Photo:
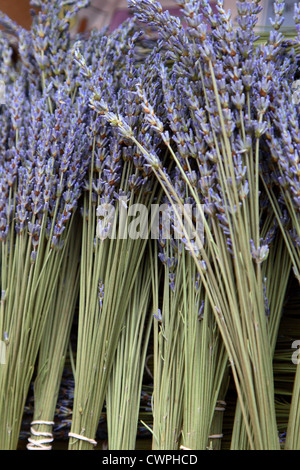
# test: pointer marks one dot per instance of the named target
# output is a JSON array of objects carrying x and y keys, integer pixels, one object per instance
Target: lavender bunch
[
  {"x": 281, "y": 162},
  {"x": 50, "y": 49},
  {"x": 114, "y": 236},
  {"x": 45, "y": 200},
  {"x": 217, "y": 136},
  {"x": 43, "y": 166},
  {"x": 207, "y": 119},
  {"x": 54, "y": 346}
]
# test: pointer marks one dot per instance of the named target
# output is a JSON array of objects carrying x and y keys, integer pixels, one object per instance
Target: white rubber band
[
  {"x": 213, "y": 436},
  {"x": 82, "y": 438},
  {"x": 47, "y": 437},
  {"x": 221, "y": 405}
]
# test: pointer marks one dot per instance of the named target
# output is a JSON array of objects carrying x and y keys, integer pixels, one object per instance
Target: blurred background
[
  {"x": 99, "y": 14},
  {"x": 114, "y": 12}
]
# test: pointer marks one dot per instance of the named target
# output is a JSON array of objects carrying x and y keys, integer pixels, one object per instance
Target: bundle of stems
[
  {"x": 166, "y": 431},
  {"x": 54, "y": 346},
  {"x": 38, "y": 200},
  {"x": 189, "y": 356},
  {"x": 205, "y": 358},
  {"x": 205, "y": 366},
  {"x": 109, "y": 269},
  {"x": 168, "y": 367},
  {"x": 30, "y": 286},
  {"x": 125, "y": 384},
  {"x": 276, "y": 270},
  {"x": 180, "y": 309},
  {"x": 113, "y": 243},
  {"x": 228, "y": 163},
  {"x": 23, "y": 320},
  {"x": 282, "y": 162}
]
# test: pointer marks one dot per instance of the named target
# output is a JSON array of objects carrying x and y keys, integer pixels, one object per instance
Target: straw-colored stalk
[
  {"x": 276, "y": 271},
  {"x": 28, "y": 293},
  {"x": 189, "y": 360},
  {"x": 124, "y": 387},
  {"x": 54, "y": 345},
  {"x": 205, "y": 365},
  {"x": 112, "y": 263},
  {"x": 292, "y": 439},
  {"x": 168, "y": 377},
  {"x": 234, "y": 283}
]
